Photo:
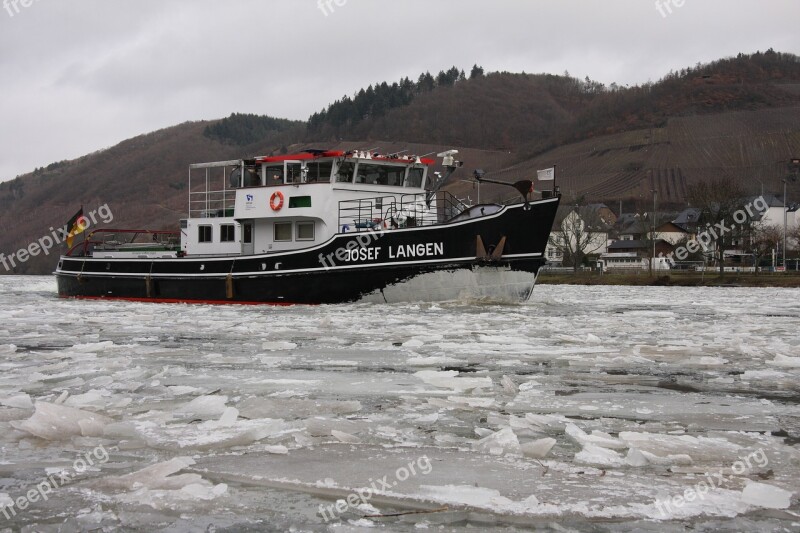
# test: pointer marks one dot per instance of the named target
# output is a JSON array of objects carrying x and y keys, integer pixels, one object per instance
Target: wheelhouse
[{"x": 295, "y": 201}]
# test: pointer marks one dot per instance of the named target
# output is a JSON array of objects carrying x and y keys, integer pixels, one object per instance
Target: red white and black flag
[{"x": 76, "y": 225}]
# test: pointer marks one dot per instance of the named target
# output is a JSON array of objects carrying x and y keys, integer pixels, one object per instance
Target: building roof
[
  {"x": 670, "y": 227},
  {"x": 592, "y": 215},
  {"x": 770, "y": 199},
  {"x": 687, "y": 217}
]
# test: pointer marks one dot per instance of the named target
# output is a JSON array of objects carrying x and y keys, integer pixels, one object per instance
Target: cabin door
[{"x": 248, "y": 247}]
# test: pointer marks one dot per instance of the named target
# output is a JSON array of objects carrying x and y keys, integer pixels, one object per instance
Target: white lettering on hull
[
  {"x": 362, "y": 254},
  {"x": 405, "y": 251},
  {"x": 354, "y": 254}
]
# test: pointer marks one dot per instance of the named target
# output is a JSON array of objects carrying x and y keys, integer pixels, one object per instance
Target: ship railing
[
  {"x": 126, "y": 240},
  {"x": 398, "y": 211},
  {"x": 212, "y": 193},
  {"x": 212, "y": 204}
]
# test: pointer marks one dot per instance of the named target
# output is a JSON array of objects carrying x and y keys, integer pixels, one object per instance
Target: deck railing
[
  {"x": 212, "y": 196},
  {"x": 398, "y": 211},
  {"x": 122, "y": 240}
]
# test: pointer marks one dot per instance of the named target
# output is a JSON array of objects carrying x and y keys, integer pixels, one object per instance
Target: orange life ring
[{"x": 276, "y": 206}]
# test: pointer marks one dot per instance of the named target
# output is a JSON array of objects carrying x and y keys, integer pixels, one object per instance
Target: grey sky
[{"x": 82, "y": 75}]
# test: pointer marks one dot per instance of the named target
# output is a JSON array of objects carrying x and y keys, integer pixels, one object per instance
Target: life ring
[{"x": 276, "y": 206}]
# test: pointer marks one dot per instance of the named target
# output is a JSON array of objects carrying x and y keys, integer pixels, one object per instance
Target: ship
[{"x": 323, "y": 227}]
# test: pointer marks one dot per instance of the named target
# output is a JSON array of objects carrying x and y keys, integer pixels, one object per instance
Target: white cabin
[{"x": 274, "y": 204}]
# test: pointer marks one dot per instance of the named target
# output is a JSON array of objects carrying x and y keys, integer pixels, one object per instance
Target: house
[
  {"x": 773, "y": 216},
  {"x": 635, "y": 254},
  {"x": 579, "y": 231},
  {"x": 629, "y": 227},
  {"x": 671, "y": 233},
  {"x": 688, "y": 220}
]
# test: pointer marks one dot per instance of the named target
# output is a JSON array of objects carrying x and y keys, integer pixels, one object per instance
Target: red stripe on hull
[{"x": 176, "y": 301}]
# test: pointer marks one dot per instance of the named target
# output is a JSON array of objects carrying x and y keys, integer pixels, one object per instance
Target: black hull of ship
[{"x": 431, "y": 263}]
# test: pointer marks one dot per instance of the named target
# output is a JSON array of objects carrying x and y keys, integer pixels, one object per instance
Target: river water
[{"x": 588, "y": 408}]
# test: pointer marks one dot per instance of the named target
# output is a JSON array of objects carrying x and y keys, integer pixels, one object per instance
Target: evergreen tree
[{"x": 477, "y": 72}]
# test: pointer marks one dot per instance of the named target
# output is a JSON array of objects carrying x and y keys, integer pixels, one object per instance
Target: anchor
[{"x": 495, "y": 253}]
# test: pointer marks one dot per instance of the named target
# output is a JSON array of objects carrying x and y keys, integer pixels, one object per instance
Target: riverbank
[{"x": 678, "y": 279}]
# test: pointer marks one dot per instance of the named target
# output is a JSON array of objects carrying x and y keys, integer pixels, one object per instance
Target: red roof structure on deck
[{"x": 316, "y": 154}]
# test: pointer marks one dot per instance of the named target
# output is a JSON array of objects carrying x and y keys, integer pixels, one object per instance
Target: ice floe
[{"x": 57, "y": 422}]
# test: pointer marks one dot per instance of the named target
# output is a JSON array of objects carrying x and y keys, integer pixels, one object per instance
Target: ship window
[
  {"x": 305, "y": 231},
  {"x": 226, "y": 233},
  {"x": 251, "y": 178},
  {"x": 247, "y": 233},
  {"x": 283, "y": 231},
  {"x": 415, "y": 175},
  {"x": 294, "y": 172},
  {"x": 380, "y": 174},
  {"x": 344, "y": 174},
  {"x": 299, "y": 201},
  {"x": 320, "y": 172},
  {"x": 274, "y": 175},
  {"x": 204, "y": 234}
]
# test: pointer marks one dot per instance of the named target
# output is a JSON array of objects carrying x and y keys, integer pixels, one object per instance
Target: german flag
[{"x": 76, "y": 225}]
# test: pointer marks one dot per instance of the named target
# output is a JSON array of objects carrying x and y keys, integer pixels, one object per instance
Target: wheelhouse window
[
  {"x": 227, "y": 233},
  {"x": 373, "y": 174},
  {"x": 319, "y": 171},
  {"x": 305, "y": 231},
  {"x": 294, "y": 172},
  {"x": 274, "y": 174},
  {"x": 251, "y": 177},
  {"x": 344, "y": 174},
  {"x": 283, "y": 231},
  {"x": 415, "y": 176},
  {"x": 204, "y": 234}
]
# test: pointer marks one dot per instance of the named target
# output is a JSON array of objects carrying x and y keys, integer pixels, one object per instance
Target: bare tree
[
  {"x": 577, "y": 233},
  {"x": 717, "y": 200}
]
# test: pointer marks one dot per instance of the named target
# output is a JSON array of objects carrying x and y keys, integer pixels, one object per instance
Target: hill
[
  {"x": 746, "y": 147},
  {"x": 738, "y": 118}
]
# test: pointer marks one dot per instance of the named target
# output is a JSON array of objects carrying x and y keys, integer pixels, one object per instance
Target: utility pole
[
  {"x": 785, "y": 212},
  {"x": 653, "y": 259}
]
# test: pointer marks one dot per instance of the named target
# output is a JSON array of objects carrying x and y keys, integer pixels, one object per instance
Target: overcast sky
[{"x": 82, "y": 75}]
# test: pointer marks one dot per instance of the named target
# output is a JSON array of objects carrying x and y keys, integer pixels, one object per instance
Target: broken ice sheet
[
  {"x": 451, "y": 380},
  {"x": 160, "y": 486},
  {"x": 226, "y": 432},
  {"x": 666, "y": 374},
  {"x": 56, "y": 422}
]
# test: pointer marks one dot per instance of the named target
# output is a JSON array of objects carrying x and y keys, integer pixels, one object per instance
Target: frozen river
[{"x": 589, "y": 408}]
